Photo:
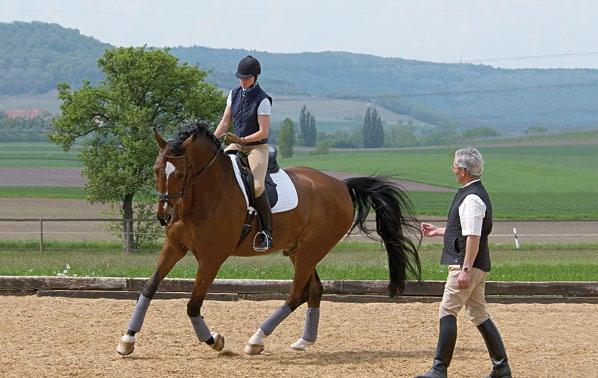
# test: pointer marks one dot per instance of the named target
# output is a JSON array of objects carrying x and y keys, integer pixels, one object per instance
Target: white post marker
[{"x": 515, "y": 237}]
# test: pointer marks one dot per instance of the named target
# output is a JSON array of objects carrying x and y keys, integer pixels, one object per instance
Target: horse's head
[
  {"x": 178, "y": 166},
  {"x": 171, "y": 169}
]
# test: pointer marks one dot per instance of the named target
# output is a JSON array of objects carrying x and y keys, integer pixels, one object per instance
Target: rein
[{"x": 164, "y": 197}]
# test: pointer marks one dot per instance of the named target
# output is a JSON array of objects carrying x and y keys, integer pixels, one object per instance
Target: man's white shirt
[{"x": 472, "y": 211}]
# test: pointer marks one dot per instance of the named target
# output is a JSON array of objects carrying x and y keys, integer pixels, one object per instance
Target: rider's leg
[{"x": 258, "y": 162}]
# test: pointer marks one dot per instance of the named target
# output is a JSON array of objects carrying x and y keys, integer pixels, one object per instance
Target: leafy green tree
[
  {"x": 537, "y": 129},
  {"x": 402, "y": 135},
  {"x": 480, "y": 132},
  {"x": 286, "y": 138},
  {"x": 143, "y": 89},
  {"x": 307, "y": 123},
  {"x": 441, "y": 135},
  {"x": 372, "y": 130}
]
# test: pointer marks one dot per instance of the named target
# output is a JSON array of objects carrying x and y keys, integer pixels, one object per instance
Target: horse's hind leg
[
  {"x": 312, "y": 314},
  {"x": 304, "y": 268},
  {"x": 169, "y": 256}
]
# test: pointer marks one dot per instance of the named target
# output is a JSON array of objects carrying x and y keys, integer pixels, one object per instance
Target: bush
[{"x": 322, "y": 148}]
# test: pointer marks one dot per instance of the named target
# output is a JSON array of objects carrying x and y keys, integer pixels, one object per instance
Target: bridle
[{"x": 164, "y": 197}]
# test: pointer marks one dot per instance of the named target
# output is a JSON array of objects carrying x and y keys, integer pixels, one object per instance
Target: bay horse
[{"x": 204, "y": 209}]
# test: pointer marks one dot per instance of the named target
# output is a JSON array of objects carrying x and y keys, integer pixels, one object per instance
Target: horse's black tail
[{"x": 395, "y": 223}]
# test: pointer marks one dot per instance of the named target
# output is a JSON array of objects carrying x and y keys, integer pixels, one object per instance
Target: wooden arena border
[{"x": 340, "y": 291}]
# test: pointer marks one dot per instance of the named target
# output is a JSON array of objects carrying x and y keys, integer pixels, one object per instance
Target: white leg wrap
[
  {"x": 255, "y": 345},
  {"x": 258, "y": 338},
  {"x": 301, "y": 344},
  {"x": 126, "y": 345}
]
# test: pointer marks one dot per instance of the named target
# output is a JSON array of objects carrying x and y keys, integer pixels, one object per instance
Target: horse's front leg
[
  {"x": 206, "y": 272},
  {"x": 171, "y": 253}
]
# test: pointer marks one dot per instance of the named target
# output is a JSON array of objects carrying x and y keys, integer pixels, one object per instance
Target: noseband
[{"x": 164, "y": 197}]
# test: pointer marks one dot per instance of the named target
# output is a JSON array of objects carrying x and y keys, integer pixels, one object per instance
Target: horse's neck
[{"x": 207, "y": 194}]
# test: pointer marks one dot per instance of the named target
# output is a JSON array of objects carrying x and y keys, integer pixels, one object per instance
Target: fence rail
[{"x": 95, "y": 229}]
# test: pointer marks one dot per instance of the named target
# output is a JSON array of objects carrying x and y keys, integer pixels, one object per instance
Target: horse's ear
[
  {"x": 161, "y": 142},
  {"x": 187, "y": 142}
]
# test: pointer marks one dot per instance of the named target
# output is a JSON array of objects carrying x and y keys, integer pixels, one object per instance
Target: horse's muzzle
[{"x": 164, "y": 221}]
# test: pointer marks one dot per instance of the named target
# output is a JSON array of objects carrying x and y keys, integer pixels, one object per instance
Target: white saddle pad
[{"x": 287, "y": 194}]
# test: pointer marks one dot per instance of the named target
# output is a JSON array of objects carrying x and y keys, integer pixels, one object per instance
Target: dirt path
[
  {"x": 41, "y": 177},
  {"x": 42, "y": 336}
]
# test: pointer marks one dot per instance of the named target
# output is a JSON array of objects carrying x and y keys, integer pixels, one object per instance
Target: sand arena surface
[{"x": 43, "y": 336}]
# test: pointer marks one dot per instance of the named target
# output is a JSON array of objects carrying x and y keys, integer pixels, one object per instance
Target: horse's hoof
[
  {"x": 301, "y": 345},
  {"x": 126, "y": 345},
  {"x": 253, "y": 349},
  {"x": 218, "y": 341}
]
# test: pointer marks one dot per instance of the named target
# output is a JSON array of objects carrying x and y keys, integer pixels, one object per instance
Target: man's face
[{"x": 458, "y": 172}]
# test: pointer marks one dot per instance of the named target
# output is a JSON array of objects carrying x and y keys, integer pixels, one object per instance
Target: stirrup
[{"x": 265, "y": 242}]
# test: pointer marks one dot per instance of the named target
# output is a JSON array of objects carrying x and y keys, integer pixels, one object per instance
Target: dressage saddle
[{"x": 247, "y": 177}]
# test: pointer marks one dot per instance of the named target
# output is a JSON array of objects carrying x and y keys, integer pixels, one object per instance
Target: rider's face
[{"x": 246, "y": 83}]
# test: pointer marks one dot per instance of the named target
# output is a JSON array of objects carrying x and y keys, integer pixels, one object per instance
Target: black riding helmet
[{"x": 248, "y": 67}]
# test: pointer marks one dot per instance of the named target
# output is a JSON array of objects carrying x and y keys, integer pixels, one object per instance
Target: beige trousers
[
  {"x": 473, "y": 298},
  {"x": 258, "y": 162}
]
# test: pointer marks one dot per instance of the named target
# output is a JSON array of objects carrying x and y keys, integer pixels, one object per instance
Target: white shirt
[
  {"x": 472, "y": 211},
  {"x": 265, "y": 108}
]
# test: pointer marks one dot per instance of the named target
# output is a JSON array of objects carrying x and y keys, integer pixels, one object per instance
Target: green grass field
[
  {"x": 52, "y": 192},
  {"x": 525, "y": 182},
  {"x": 557, "y": 182},
  {"x": 37, "y": 155},
  {"x": 349, "y": 260}
]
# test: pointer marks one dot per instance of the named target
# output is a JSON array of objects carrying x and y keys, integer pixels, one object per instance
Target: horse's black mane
[{"x": 195, "y": 129}]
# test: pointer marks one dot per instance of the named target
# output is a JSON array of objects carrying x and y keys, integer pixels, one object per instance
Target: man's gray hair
[{"x": 470, "y": 159}]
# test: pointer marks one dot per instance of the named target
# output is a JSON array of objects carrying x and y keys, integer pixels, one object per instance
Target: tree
[
  {"x": 537, "y": 129},
  {"x": 307, "y": 123},
  {"x": 142, "y": 89},
  {"x": 402, "y": 135},
  {"x": 286, "y": 138},
  {"x": 372, "y": 131}
]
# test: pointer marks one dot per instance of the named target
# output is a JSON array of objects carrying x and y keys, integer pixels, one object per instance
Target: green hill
[{"x": 35, "y": 56}]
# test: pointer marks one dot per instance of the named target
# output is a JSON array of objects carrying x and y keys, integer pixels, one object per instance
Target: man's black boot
[
  {"x": 263, "y": 240},
  {"x": 496, "y": 350},
  {"x": 444, "y": 350}
]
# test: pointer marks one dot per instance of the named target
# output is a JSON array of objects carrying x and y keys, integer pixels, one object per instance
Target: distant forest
[{"x": 35, "y": 57}]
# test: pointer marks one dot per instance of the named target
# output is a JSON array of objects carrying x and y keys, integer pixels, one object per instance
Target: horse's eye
[{"x": 179, "y": 176}]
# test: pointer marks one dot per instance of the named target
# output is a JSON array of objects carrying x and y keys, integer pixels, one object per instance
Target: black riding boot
[
  {"x": 444, "y": 350},
  {"x": 496, "y": 350},
  {"x": 263, "y": 240}
]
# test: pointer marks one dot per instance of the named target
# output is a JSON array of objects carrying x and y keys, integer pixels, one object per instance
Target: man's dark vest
[
  {"x": 453, "y": 252},
  {"x": 244, "y": 108}
]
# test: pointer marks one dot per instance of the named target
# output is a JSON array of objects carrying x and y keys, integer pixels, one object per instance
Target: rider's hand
[{"x": 232, "y": 138}]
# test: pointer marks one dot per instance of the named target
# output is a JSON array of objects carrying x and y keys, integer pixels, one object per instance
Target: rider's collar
[{"x": 246, "y": 90}]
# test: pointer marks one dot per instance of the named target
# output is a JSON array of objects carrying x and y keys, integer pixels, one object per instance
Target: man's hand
[
  {"x": 428, "y": 229},
  {"x": 232, "y": 138},
  {"x": 464, "y": 279}
]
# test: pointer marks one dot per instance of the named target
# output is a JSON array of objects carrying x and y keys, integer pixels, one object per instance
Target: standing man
[
  {"x": 466, "y": 254},
  {"x": 250, "y": 109}
]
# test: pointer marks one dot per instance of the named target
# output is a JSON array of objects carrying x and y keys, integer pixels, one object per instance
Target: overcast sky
[{"x": 502, "y": 33}]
